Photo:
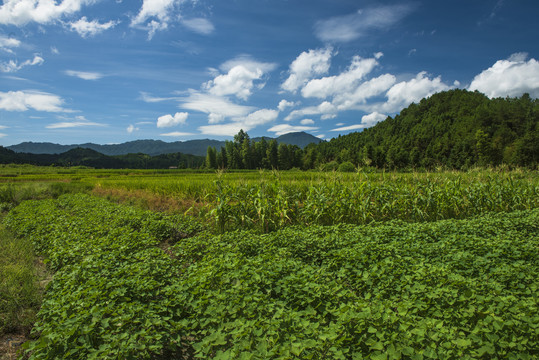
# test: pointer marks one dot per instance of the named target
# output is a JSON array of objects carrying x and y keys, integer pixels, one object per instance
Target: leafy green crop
[{"x": 390, "y": 290}]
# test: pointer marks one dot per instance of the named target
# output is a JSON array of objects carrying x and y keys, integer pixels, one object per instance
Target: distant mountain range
[
  {"x": 155, "y": 147},
  {"x": 92, "y": 158}
]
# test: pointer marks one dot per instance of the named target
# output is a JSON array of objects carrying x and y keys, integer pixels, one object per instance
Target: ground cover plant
[
  {"x": 458, "y": 288},
  {"x": 20, "y": 293}
]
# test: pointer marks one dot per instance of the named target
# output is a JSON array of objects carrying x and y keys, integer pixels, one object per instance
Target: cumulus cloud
[
  {"x": 155, "y": 15},
  {"x": 216, "y": 106},
  {"x": 306, "y": 66},
  {"x": 21, "y": 12},
  {"x": 404, "y": 93},
  {"x": 282, "y": 129},
  {"x": 13, "y": 66},
  {"x": 284, "y": 104},
  {"x": 31, "y": 100},
  {"x": 199, "y": 25},
  {"x": 342, "y": 83},
  {"x": 366, "y": 122},
  {"x": 230, "y": 129},
  {"x": 307, "y": 122},
  {"x": 239, "y": 79},
  {"x": 511, "y": 77},
  {"x": 168, "y": 120},
  {"x": 260, "y": 117},
  {"x": 7, "y": 43},
  {"x": 131, "y": 128},
  {"x": 87, "y": 28},
  {"x": 354, "y": 99},
  {"x": 373, "y": 118},
  {"x": 246, "y": 123},
  {"x": 326, "y": 109},
  {"x": 353, "y": 26},
  {"x": 84, "y": 74}
]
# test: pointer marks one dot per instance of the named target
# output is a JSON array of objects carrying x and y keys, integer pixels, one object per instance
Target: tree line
[
  {"x": 457, "y": 129},
  {"x": 243, "y": 153}
]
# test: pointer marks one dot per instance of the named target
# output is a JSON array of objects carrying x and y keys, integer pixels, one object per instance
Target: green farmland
[{"x": 177, "y": 264}]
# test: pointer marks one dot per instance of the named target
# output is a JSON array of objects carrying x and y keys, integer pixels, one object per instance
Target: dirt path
[{"x": 9, "y": 345}]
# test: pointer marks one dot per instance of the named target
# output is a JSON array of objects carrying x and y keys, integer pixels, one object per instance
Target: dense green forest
[{"x": 456, "y": 129}]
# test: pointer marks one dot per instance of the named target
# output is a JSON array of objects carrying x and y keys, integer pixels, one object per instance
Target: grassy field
[{"x": 258, "y": 265}]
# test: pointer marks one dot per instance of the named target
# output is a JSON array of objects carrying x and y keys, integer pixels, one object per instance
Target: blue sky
[{"x": 110, "y": 71}]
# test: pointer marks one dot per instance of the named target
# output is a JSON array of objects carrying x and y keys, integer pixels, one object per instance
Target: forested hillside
[{"x": 456, "y": 128}]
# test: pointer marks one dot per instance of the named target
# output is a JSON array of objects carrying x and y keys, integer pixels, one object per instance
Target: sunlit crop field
[{"x": 281, "y": 265}]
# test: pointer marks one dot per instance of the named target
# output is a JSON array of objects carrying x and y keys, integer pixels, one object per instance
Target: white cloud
[
  {"x": 13, "y": 66},
  {"x": 406, "y": 92},
  {"x": 366, "y": 121},
  {"x": 216, "y": 105},
  {"x": 372, "y": 118},
  {"x": 327, "y": 109},
  {"x": 2, "y": 135},
  {"x": 353, "y": 26},
  {"x": 215, "y": 118},
  {"x": 246, "y": 123},
  {"x": 307, "y": 122},
  {"x": 282, "y": 129},
  {"x": 342, "y": 83},
  {"x": 373, "y": 87},
  {"x": 79, "y": 121},
  {"x": 177, "y": 134},
  {"x": 284, "y": 104},
  {"x": 169, "y": 120},
  {"x": 511, "y": 77},
  {"x": 222, "y": 129},
  {"x": 328, "y": 116},
  {"x": 84, "y": 74},
  {"x": 306, "y": 66},
  {"x": 238, "y": 82},
  {"x": 87, "y": 28},
  {"x": 239, "y": 79},
  {"x": 350, "y": 127},
  {"x": 144, "y": 96},
  {"x": 55, "y": 50},
  {"x": 199, "y": 25},
  {"x": 72, "y": 124},
  {"x": 31, "y": 99},
  {"x": 159, "y": 11},
  {"x": 260, "y": 117},
  {"x": 21, "y": 12},
  {"x": 6, "y": 43},
  {"x": 247, "y": 62},
  {"x": 131, "y": 128}
]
